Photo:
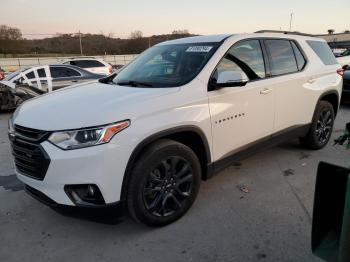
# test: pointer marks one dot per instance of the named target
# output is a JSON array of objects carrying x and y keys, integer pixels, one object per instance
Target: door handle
[
  {"x": 312, "y": 80},
  {"x": 265, "y": 91},
  {"x": 74, "y": 81}
]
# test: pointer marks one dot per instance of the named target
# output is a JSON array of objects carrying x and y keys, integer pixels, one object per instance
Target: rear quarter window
[{"x": 323, "y": 51}]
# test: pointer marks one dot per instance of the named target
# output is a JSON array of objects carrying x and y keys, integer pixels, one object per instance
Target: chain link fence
[{"x": 13, "y": 64}]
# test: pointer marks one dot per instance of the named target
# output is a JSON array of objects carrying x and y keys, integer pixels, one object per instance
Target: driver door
[{"x": 240, "y": 113}]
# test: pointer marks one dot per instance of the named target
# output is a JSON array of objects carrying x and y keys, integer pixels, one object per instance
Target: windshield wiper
[{"x": 133, "y": 83}]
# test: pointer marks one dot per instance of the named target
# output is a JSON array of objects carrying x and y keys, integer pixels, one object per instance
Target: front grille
[
  {"x": 30, "y": 134},
  {"x": 30, "y": 158}
]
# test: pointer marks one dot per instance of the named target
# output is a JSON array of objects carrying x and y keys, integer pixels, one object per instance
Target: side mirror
[
  {"x": 229, "y": 78},
  {"x": 331, "y": 214}
]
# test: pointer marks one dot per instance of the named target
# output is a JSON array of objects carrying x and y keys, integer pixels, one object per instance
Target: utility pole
[
  {"x": 81, "y": 46},
  {"x": 290, "y": 21}
]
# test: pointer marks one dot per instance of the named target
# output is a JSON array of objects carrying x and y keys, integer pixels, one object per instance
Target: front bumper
[
  {"x": 103, "y": 166},
  {"x": 49, "y": 202}
]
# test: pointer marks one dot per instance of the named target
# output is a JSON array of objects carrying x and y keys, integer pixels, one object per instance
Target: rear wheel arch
[
  {"x": 191, "y": 136},
  {"x": 333, "y": 98}
]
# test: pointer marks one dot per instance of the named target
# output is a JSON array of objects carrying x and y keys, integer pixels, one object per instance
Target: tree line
[{"x": 12, "y": 44}]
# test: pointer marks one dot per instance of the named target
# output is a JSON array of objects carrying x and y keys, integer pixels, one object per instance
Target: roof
[
  {"x": 197, "y": 39},
  {"x": 219, "y": 38}
]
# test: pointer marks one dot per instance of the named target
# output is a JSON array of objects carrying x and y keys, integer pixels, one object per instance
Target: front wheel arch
[{"x": 202, "y": 151}]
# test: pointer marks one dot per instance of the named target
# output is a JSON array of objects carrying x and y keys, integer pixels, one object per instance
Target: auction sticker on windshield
[{"x": 199, "y": 49}]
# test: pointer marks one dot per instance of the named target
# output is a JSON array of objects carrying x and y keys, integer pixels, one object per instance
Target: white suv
[
  {"x": 182, "y": 111},
  {"x": 92, "y": 65}
]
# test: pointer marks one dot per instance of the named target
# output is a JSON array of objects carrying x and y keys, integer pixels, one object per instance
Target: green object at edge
[{"x": 331, "y": 215}]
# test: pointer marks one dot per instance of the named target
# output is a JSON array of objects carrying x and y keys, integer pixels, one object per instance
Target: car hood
[{"x": 88, "y": 105}]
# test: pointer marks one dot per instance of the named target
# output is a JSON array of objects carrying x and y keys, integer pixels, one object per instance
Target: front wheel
[
  {"x": 321, "y": 127},
  {"x": 164, "y": 183}
]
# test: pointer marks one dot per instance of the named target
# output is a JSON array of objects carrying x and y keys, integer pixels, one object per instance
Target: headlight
[{"x": 73, "y": 139}]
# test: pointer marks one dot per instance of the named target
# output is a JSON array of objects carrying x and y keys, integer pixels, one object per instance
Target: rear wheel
[
  {"x": 321, "y": 127},
  {"x": 164, "y": 183}
]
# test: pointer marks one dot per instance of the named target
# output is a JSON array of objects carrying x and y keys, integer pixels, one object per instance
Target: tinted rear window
[
  {"x": 41, "y": 72},
  {"x": 86, "y": 63},
  {"x": 30, "y": 75},
  {"x": 323, "y": 52}
]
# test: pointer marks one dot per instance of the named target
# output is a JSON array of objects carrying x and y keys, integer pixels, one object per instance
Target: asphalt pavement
[{"x": 259, "y": 209}]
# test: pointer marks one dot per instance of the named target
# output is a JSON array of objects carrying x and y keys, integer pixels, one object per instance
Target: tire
[
  {"x": 164, "y": 183},
  {"x": 321, "y": 127}
]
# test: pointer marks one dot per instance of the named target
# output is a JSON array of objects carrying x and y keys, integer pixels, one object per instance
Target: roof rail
[
  {"x": 80, "y": 57},
  {"x": 284, "y": 32}
]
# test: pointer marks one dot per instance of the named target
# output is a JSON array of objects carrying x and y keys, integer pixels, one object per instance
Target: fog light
[{"x": 84, "y": 195}]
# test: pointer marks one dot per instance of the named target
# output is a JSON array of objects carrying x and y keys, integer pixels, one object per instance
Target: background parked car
[
  {"x": 344, "y": 58},
  {"x": 346, "y": 86},
  {"x": 92, "y": 65},
  {"x": 2, "y": 74},
  {"x": 117, "y": 68},
  {"x": 31, "y": 82}
]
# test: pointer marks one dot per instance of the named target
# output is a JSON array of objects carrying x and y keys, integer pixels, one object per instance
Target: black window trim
[
  {"x": 266, "y": 58},
  {"x": 210, "y": 88},
  {"x": 80, "y": 74}
]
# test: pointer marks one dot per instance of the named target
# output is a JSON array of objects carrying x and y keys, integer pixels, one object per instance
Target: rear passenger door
[
  {"x": 292, "y": 99},
  {"x": 63, "y": 76}
]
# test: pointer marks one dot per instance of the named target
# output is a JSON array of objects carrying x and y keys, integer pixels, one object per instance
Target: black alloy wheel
[
  {"x": 321, "y": 127},
  {"x": 164, "y": 183},
  {"x": 167, "y": 186},
  {"x": 324, "y": 126}
]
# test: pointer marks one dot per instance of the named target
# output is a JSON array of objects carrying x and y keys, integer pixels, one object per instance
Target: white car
[
  {"x": 181, "y": 112},
  {"x": 92, "y": 65}
]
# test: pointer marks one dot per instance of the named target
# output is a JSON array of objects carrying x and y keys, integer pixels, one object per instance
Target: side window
[
  {"x": 30, "y": 75},
  {"x": 59, "y": 72},
  {"x": 249, "y": 57},
  {"x": 282, "y": 57},
  {"x": 246, "y": 57},
  {"x": 299, "y": 56},
  {"x": 323, "y": 51},
  {"x": 86, "y": 63},
  {"x": 41, "y": 73}
]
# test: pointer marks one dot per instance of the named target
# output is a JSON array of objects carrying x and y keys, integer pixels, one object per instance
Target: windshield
[
  {"x": 14, "y": 74},
  {"x": 167, "y": 65}
]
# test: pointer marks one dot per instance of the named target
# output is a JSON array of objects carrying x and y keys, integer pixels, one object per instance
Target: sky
[{"x": 152, "y": 17}]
